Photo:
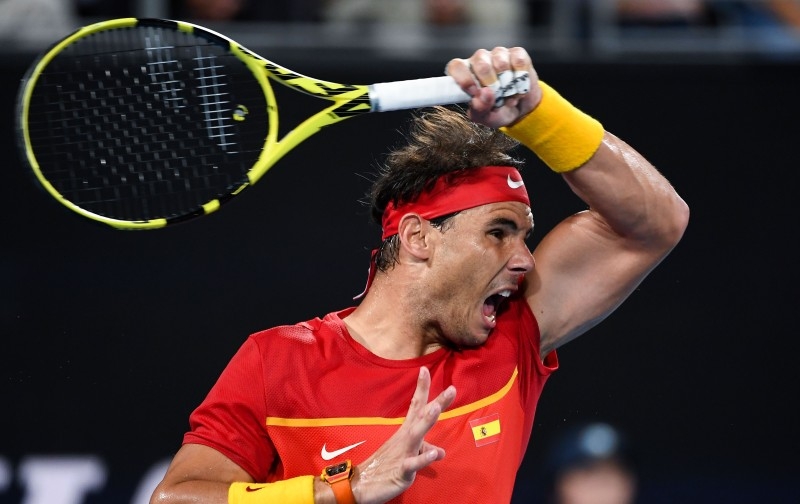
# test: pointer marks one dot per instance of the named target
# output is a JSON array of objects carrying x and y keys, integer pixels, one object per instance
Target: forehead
[{"x": 518, "y": 213}]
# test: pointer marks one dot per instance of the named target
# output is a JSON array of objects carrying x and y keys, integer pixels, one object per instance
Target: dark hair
[{"x": 441, "y": 142}]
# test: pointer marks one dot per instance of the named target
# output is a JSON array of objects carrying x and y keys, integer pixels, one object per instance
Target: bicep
[
  {"x": 583, "y": 272},
  {"x": 199, "y": 474}
]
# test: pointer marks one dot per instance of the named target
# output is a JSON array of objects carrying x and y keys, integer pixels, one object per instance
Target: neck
[{"x": 386, "y": 323}]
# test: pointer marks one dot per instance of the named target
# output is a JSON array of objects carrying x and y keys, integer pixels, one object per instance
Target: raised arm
[
  {"x": 592, "y": 261},
  {"x": 588, "y": 264}
]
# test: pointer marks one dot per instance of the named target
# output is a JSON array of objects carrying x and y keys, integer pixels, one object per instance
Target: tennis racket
[{"x": 143, "y": 123}]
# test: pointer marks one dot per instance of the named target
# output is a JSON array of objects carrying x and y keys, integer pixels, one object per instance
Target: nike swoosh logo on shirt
[
  {"x": 326, "y": 455},
  {"x": 514, "y": 184}
]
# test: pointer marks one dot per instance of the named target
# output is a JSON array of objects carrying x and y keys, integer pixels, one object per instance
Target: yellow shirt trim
[{"x": 331, "y": 422}]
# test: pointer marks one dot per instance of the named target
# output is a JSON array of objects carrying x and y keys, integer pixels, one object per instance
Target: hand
[
  {"x": 480, "y": 72},
  {"x": 393, "y": 467}
]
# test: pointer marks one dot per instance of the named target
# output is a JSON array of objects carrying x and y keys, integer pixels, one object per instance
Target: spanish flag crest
[{"x": 486, "y": 430}]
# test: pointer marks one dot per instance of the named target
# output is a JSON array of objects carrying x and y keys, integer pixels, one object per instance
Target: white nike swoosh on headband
[
  {"x": 326, "y": 455},
  {"x": 514, "y": 184}
]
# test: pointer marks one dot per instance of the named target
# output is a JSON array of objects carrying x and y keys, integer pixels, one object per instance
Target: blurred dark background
[{"x": 111, "y": 338}]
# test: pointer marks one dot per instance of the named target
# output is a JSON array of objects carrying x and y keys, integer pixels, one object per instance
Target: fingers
[
  {"x": 420, "y": 408},
  {"x": 461, "y": 71},
  {"x": 393, "y": 467},
  {"x": 420, "y": 397},
  {"x": 502, "y": 83},
  {"x": 422, "y": 416},
  {"x": 446, "y": 398},
  {"x": 428, "y": 454},
  {"x": 431, "y": 452},
  {"x": 504, "y": 72}
]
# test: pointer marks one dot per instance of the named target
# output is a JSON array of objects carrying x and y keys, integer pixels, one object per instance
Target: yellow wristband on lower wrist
[
  {"x": 561, "y": 135},
  {"x": 299, "y": 490}
]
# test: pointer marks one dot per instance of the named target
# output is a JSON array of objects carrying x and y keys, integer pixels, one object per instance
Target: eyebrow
[
  {"x": 507, "y": 223},
  {"x": 503, "y": 221}
]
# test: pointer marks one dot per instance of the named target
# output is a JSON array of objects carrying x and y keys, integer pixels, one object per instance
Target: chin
[{"x": 476, "y": 339}]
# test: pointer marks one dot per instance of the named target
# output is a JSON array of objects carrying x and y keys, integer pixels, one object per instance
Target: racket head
[{"x": 141, "y": 123}]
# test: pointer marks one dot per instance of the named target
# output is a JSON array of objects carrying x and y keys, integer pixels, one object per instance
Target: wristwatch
[{"x": 338, "y": 476}]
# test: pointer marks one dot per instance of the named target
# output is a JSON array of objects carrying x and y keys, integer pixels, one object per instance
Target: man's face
[{"x": 479, "y": 259}]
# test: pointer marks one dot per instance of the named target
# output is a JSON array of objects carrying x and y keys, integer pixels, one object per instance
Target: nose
[{"x": 522, "y": 259}]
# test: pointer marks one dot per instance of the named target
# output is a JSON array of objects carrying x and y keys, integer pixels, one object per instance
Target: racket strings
[
  {"x": 162, "y": 69},
  {"x": 152, "y": 133},
  {"x": 215, "y": 101}
]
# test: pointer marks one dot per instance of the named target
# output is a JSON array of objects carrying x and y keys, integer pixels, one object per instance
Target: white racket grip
[{"x": 415, "y": 93}]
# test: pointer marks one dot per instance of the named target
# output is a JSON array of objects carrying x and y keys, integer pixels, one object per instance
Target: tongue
[{"x": 489, "y": 306}]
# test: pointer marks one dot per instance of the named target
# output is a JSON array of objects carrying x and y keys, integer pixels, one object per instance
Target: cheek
[
  {"x": 462, "y": 269},
  {"x": 463, "y": 287},
  {"x": 462, "y": 274},
  {"x": 465, "y": 254}
]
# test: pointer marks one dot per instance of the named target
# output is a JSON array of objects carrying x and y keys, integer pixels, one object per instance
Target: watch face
[{"x": 336, "y": 469}]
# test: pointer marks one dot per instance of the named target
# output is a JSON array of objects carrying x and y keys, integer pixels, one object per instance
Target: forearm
[
  {"x": 209, "y": 492},
  {"x": 301, "y": 490},
  {"x": 630, "y": 196}
]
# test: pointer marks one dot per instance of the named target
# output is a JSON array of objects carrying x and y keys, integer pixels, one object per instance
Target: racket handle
[{"x": 416, "y": 93}]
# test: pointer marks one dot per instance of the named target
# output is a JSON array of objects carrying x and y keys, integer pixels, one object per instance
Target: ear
[{"x": 413, "y": 232}]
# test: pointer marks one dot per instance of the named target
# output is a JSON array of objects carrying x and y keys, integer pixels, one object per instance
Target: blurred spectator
[
  {"x": 770, "y": 25},
  {"x": 212, "y": 10},
  {"x": 36, "y": 22},
  {"x": 760, "y": 13},
  {"x": 429, "y": 12},
  {"x": 591, "y": 464},
  {"x": 669, "y": 13},
  {"x": 787, "y": 11},
  {"x": 676, "y": 13},
  {"x": 247, "y": 10},
  {"x": 409, "y": 28}
]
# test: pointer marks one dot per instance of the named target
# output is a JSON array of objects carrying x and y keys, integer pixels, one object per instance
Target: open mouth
[{"x": 492, "y": 304}]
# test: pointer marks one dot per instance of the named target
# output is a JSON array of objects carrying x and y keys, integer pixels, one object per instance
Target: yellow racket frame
[{"x": 349, "y": 101}]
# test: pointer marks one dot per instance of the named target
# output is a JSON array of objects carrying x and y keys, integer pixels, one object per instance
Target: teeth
[
  {"x": 505, "y": 293},
  {"x": 490, "y": 318}
]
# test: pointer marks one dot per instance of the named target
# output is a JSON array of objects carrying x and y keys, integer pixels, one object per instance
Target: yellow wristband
[
  {"x": 561, "y": 135},
  {"x": 299, "y": 490}
]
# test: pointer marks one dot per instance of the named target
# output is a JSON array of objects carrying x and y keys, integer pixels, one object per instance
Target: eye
[{"x": 497, "y": 233}]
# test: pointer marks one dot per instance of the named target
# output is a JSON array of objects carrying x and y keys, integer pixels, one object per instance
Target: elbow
[
  {"x": 679, "y": 221},
  {"x": 672, "y": 225},
  {"x": 160, "y": 496},
  {"x": 661, "y": 228}
]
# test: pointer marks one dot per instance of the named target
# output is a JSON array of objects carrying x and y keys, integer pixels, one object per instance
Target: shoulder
[{"x": 305, "y": 334}]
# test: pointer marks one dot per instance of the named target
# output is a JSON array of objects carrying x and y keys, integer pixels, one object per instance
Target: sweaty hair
[{"x": 441, "y": 142}]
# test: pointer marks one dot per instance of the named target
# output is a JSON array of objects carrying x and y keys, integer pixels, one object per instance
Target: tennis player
[{"x": 426, "y": 390}]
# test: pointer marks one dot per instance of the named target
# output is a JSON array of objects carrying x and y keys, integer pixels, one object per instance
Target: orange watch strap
[{"x": 343, "y": 492}]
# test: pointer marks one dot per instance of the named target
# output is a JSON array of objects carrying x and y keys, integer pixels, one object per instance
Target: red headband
[{"x": 488, "y": 184}]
